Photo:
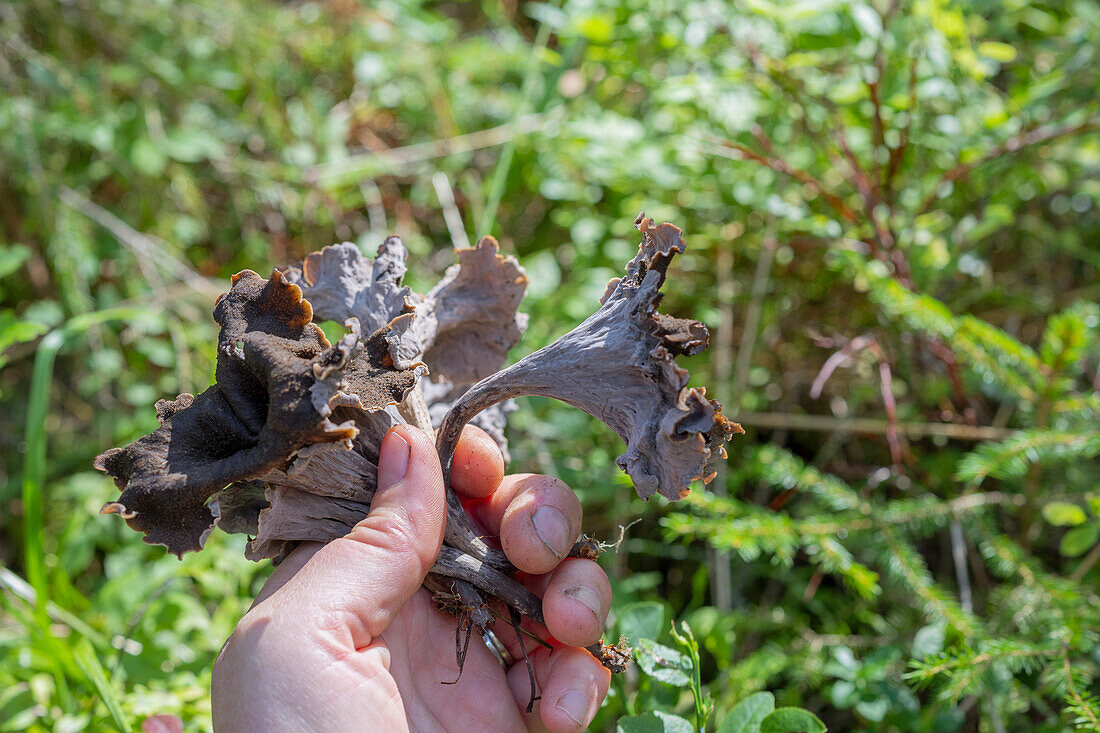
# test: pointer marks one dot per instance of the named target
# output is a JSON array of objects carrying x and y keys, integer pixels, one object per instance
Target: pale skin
[{"x": 343, "y": 638}]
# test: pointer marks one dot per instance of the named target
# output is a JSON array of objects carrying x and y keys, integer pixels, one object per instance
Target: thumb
[{"x": 370, "y": 574}]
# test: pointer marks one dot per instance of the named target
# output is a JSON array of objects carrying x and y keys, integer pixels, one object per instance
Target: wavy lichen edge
[{"x": 619, "y": 366}]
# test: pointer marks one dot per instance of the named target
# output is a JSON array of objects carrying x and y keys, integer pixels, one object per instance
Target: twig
[
  {"x": 752, "y": 317},
  {"x": 376, "y": 212},
  {"x": 835, "y": 360},
  {"x": 897, "y": 154},
  {"x": 22, "y": 590},
  {"x": 1019, "y": 142},
  {"x": 878, "y": 126},
  {"x": 151, "y": 252},
  {"x": 827, "y": 423},
  {"x": 1086, "y": 564},
  {"x": 882, "y": 246},
  {"x": 462, "y": 645},
  {"x": 962, "y": 574},
  {"x": 737, "y": 151},
  {"x": 149, "y": 247},
  {"x": 451, "y": 214},
  {"x": 455, "y": 564},
  {"x": 746, "y": 346},
  {"x": 1071, "y": 689},
  {"x": 366, "y": 163},
  {"x": 504, "y": 163},
  {"x": 1033, "y": 479},
  {"x": 947, "y": 358},
  {"x": 863, "y": 182},
  {"x": 588, "y": 548},
  {"x": 514, "y": 619},
  {"x": 614, "y": 657},
  {"x": 886, "y": 387},
  {"x": 814, "y": 528},
  {"x": 126, "y": 645},
  {"x": 816, "y": 642},
  {"x": 719, "y": 560}
]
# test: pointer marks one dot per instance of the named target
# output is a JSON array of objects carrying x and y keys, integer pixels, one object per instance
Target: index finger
[{"x": 478, "y": 467}]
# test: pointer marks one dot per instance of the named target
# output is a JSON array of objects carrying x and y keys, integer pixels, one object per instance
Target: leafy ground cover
[{"x": 892, "y": 210}]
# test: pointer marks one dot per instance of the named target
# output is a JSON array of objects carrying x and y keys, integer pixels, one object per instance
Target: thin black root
[
  {"x": 529, "y": 634},
  {"x": 515, "y": 619},
  {"x": 462, "y": 646},
  {"x": 462, "y": 601}
]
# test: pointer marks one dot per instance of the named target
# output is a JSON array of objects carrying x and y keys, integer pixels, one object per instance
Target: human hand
[{"x": 343, "y": 637}]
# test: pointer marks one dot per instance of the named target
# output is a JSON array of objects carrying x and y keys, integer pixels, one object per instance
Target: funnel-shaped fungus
[
  {"x": 285, "y": 445},
  {"x": 619, "y": 366}
]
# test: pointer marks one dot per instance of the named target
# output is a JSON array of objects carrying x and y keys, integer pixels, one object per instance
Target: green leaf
[
  {"x": 148, "y": 157},
  {"x": 642, "y": 620},
  {"x": 1064, "y": 514},
  {"x": 749, "y": 714},
  {"x": 12, "y": 258},
  {"x": 928, "y": 641},
  {"x": 597, "y": 27},
  {"x": 846, "y": 659},
  {"x": 662, "y": 663},
  {"x": 89, "y": 663},
  {"x": 14, "y": 330},
  {"x": 868, "y": 20},
  {"x": 844, "y": 694},
  {"x": 1078, "y": 540},
  {"x": 792, "y": 720},
  {"x": 191, "y": 146},
  {"x": 655, "y": 722},
  {"x": 1093, "y": 503},
  {"x": 874, "y": 709},
  {"x": 1001, "y": 52}
]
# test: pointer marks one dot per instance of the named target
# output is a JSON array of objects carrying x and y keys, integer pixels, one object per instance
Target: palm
[{"x": 423, "y": 666}]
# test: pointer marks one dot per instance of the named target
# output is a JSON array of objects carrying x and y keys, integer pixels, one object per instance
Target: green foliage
[
  {"x": 892, "y": 211},
  {"x": 1085, "y": 531},
  {"x": 754, "y": 714},
  {"x": 655, "y": 722},
  {"x": 791, "y": 720},
  {"x": 749, "y": 714}
]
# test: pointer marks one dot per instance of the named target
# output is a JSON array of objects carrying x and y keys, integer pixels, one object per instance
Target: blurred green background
[{"x": 892, "y": 217}]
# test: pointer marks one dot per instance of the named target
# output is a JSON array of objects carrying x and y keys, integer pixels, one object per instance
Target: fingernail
[
  {"x": 575, "y": 707},
  {"x": 588, "y": 598},
  {"x": 393, "y": 460},
  {"x": 553, "y": 529}
]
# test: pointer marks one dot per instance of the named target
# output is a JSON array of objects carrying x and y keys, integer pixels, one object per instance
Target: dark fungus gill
[{"x": 284, "y": 446}]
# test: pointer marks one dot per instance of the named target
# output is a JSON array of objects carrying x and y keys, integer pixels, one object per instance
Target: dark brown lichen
[{"x": 271, "y": 406}]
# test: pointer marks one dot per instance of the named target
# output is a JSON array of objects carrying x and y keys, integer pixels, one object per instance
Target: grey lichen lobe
[
  {"x": 342, "y": 284},
  {"x": 465, "y": 326}
]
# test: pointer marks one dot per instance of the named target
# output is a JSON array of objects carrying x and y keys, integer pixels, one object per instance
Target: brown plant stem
[
  {"x": 1031, "y": 137},
  {"x": 454, "y": 564},
  {"x": 777, "y": 164},
  {"x": 1086, "y": 564},
  {"x": 1033, "y": 478},
  {"x": 912, "y": 430}
]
